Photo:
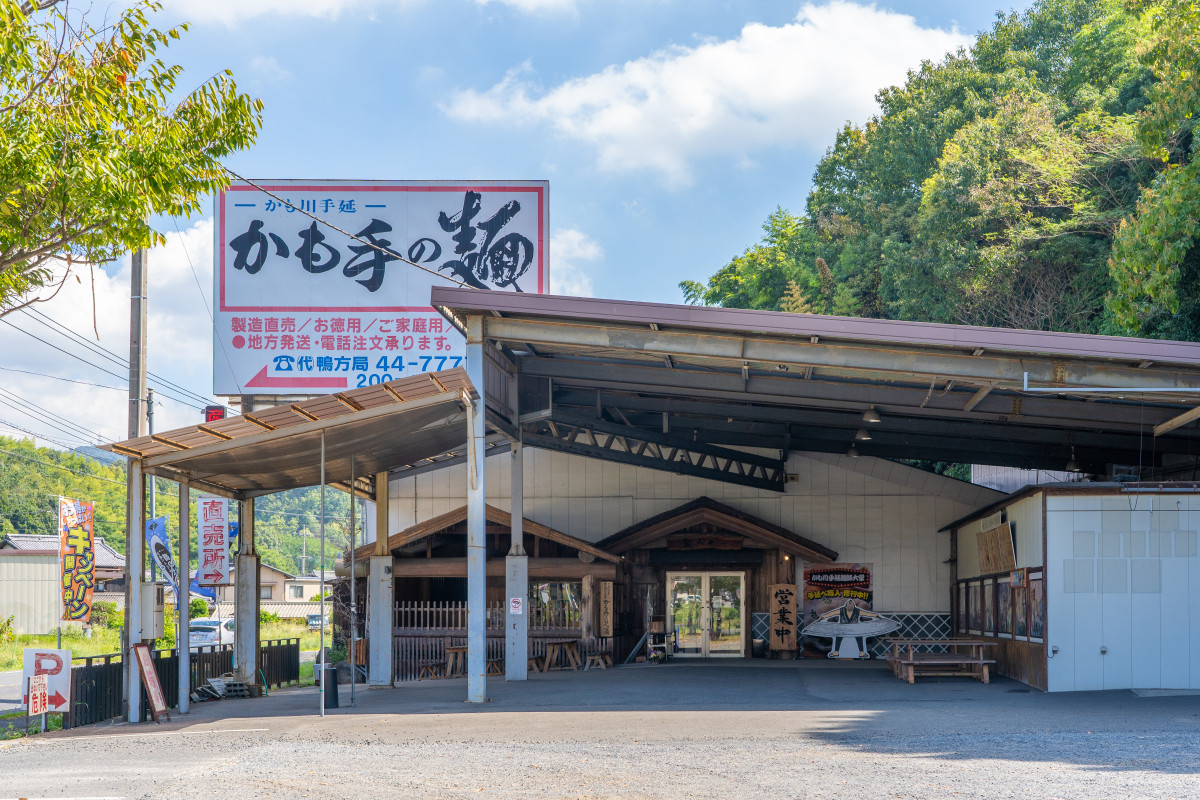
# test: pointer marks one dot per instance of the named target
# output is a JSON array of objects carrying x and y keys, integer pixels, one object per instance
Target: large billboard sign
[{"x": 324, "y": 285}]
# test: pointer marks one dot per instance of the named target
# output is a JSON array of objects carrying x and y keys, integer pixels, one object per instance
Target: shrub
[
  {"x": 267, "y": 617},
  {"x": 103, "y": 613},
  {"x": 7, "y": 631},
  {"x": 198, "y": 608}
]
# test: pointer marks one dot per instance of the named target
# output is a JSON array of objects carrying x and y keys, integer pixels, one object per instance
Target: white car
[{"x": 209, "y": 632}]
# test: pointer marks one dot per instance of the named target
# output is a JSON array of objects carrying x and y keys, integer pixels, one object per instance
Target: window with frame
[
  {"x": 264, "y": 592},
  {"x": 296, "y": 592}
]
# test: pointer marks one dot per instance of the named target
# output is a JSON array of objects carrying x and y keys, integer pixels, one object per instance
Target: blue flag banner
[{"x": 160, "y": 551}]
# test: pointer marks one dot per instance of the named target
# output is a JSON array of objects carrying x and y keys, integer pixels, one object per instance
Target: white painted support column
[
  {"x": 516, "y": 564},
  {"x": 476, "y": 521},
  {"x": 380, "y": 596},
  {"x": 184, "y": 596},
  {"x": 135, "y": 539},
  {"x": 245, "y": 642}
]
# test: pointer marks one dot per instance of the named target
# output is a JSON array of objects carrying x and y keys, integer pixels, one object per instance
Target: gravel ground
[{"x": 644, "y": 732}]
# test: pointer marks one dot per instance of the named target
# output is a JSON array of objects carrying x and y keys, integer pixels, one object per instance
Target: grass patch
[{"x": 103, "y": 641}]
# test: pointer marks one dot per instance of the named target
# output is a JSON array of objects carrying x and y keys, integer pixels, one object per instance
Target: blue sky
[{"x": 668, "y": 130}]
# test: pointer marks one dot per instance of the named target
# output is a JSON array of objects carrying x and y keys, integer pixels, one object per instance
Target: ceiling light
[
  {"x": 853, "y": 451},
  {"x": 871, "y": 415},
  {"x": 863, "y": 435},
  {"x": 1073, "y": 465}
]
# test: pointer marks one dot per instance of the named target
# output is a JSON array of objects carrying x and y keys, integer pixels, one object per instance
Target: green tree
[
  {"x": 94, "y": 140},
  {"x": 1156, "y": 257}
]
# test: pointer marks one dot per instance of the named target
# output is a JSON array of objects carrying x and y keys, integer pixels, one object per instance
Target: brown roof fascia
[
  {"x": 496, "y": 515},
  {"x": 776, "y": 323},
  {"x": 707, "y": 509},
  {"x": 1070, "y": 489}
]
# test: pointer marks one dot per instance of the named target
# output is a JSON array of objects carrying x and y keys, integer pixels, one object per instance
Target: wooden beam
[
  {"x": 1177, "y": 422},
  {"x": 567, "y": 569},
  {"x": 977, "y": 398}
]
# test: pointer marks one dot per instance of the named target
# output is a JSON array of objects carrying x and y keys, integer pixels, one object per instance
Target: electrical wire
[
  {"x": 69, "y": 380},
  {"x": 59, "y": 466},
  {"x": 168, "y": 386},
  {"x": 65, "y": 445},
  {"x": 207, "y": 307},
  {"x": 87, "y": 438},
  {"x": 331, "y": 226},
  {"x": 11, "y": 395}
]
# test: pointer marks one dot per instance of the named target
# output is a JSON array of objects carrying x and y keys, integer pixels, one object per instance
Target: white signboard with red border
[
  {"x": 55, "y": 666},
  {"x": 39, "y": 695},
  {"x": 212, "y": 517},
  {"x": 309, "y": 307}
]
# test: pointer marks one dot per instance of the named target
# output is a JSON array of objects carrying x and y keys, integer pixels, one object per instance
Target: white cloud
[
  {"x": 568, "y": 248},
  {"x": 770, "y": 86},
  {"x": 268, "y": 70},
  {"x": 179, "y": 344}
]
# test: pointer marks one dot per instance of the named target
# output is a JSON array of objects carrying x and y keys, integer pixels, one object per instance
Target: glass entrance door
[{"x": 708, "y": 612}]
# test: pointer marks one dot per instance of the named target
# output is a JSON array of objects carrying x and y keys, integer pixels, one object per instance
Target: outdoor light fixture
[
  {"x": 1073, "y": 465},
  {"x": 853, "y": 451},
  {"x": 871, "y": 415},
  {"x": 863, "y": 435}
]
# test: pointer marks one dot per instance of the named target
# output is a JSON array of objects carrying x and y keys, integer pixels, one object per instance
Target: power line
[
  {"x": 59, "y": 466},
  {"x": 60, "y": 378},
  {"x": 9, "y": 394},
  {"x": 86, "y": 437},
  {"x": 330, "y": 225},
  {"x": 59, "y": 442},
  {"x": 204, "y": 298},
  {"x": 120, "y": 361}
]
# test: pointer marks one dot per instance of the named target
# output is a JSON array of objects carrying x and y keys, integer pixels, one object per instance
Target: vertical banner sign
[
  {"x": 76, "y": 558},
  {"x": 160, "y": 551},
  {"x": 213, "y": 518},
  {"x": 606, "y": 609},
  {"x": 830, "y": 586},
  {"x": 784, "y": 604},
  {"x": 308, "y": 307}
]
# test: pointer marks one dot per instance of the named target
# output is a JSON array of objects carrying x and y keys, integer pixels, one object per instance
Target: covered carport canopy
[
  {"x": 395, "y": 424},
  {"x": 676, "y": 387}
]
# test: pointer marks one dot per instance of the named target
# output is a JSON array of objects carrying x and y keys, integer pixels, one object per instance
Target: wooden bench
[
  {"x": 599, "y": 660},
  {"x": 534, "y": 664},
  {"x": 431, "y": 669},
  {"x": 910, "y": 665}
]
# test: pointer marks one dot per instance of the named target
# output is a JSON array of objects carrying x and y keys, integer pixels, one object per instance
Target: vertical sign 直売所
[
  {"x": 213, "y": 519},
  {"x": 77, "y": 558},
  {"x": 784, "y": 607},
  {"x": 606, "y": 609},
  {"x": 323, "y": 286}
]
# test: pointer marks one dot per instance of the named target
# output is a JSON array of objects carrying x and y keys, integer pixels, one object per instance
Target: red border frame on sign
[{"x": 537, "y": 190}]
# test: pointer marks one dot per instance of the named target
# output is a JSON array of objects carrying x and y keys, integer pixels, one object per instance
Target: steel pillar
[
  {"x": 476, "y": 521},
  {"x": 245, "y": 643},
  {"x": 516, "y": 564},
  {"x": 135, "y": 540},
  {"x": 183, "y": 596}
]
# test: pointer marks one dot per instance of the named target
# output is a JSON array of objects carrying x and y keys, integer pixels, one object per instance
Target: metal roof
[
  {"x": 106, "y": 557},
  {"x": 681, "y": 387},
  {"x": 401, "y": 422}
]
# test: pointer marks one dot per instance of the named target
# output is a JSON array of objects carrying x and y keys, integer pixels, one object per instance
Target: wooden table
[
  {"x": 963, "y": 657},
  {"x": 555, "y": 648},
  {"x": 456, "y": 661}
]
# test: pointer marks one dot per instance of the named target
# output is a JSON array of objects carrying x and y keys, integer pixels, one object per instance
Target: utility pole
[{"x": 134, "y": 536}]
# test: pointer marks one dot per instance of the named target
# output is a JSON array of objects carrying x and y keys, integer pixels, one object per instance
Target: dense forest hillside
[
  {"x": 1047, "y": 178},
  {"x": 32, "y": 478}
]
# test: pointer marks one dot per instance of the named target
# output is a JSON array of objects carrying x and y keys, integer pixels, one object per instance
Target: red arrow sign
[
  {"x": 264, "y": 381},
  {"x": 57, "y": 700}
]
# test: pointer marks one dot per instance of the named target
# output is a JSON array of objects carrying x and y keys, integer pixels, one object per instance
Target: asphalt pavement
[
  {"x": 747, "y": 730},
  {"x": 10, "y": 692}
]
